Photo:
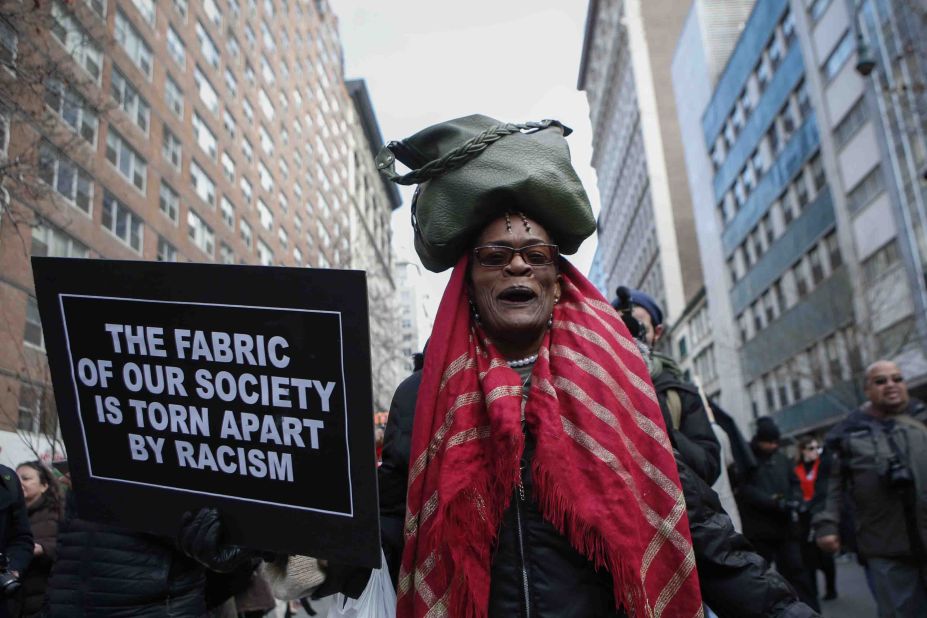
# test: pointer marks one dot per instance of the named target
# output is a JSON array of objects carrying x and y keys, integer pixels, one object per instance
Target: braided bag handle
[{"x": 386, "y": 160}]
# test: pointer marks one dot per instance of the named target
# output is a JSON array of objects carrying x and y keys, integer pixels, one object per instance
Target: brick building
[{"x": 214, "y": 131}]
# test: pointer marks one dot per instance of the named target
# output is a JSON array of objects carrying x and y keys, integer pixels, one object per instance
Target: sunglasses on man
[{"x": 883, "y": 380}]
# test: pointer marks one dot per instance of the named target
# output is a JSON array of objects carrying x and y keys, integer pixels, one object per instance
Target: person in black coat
[
  {"x": 770, "y": 507},
  {"x": 40, "y": 490},
  {"x": 16, "y": 541}
]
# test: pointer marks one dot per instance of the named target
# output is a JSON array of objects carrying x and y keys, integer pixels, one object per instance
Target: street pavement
[{"x": 853, "y": 597}]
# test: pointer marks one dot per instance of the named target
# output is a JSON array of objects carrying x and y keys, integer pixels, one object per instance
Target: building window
[
  {"x": 266, "y": 106},
  {"x": 865, "y": 190},
  {"x": 683, "y": 347},
  {"x": 896, "y": 338},
  {"x": 207, "y": 46},
  {"x": 228, "y": 212},
  {"x": 226, "y": 255},
  {"x": 147, "y": 10},
  {"x": 52, "y": 242},
  {"x": 169, "y": 202},
  {"x": 76, "y": 41},
  {"x": 122, "y": 222},
  {"x": 133, "y": 44},
  {"x": 173, "y": 96},
  {"x": 267, "y": 73},
  {"x": 212, "y": 12},
  {"x": 788, "y": 27},
  {"x": 231, "y": 84},
  {"x": 817, "y": 8},
  {"x": 129, "y": 163},
  {"x": 128, "y": 98},
  {"x": 9, "y": 42},
  {"x": 838, "y": 57},
  {"x": 803, "y": 99},
  {"x": 181, "y": 7},
  {"x": 32, "y": 333},
  {"x": 203, "y": 185},
  {"x": 250, "y": 38},
  {"x": 267, "y": 180},
  {"x": 228, "y": 121},
  {"x": 200, "y": 233},
  {"x": 772, "y": 136},
  {"x": 231, "y": 44},
  {"x": 265, "y": 255},
  {"x": 247, "y": 236},
  {"x": 166, "y": 251},
  {"x": 246, "y": 189},
  {"x": 98, "y": 6},
  {"x": 297, "y": 256},
  {"x": 72, "y": 108},
  {"x": 817, "y": 265},
  {"x": 269, "y": 43},
  {"x": 208, "y": 94},
  {"x": 267, "y": 144},
  {"x": 851, "y": 123},
  {"x": 171, "y": 149},
  {"x": 833, "y": 251},
  {"x": 175, "y": 47},
  {"x": 801, "y": 191},
  {"x": 228, "y": 167},
  {"x": 69, "y": 180},
  {"x": 265, "y": 216},
  {"x": 205, "y": 137},
  {"x": 801, "y": 281},
  {"x": 876, "y": 265}
]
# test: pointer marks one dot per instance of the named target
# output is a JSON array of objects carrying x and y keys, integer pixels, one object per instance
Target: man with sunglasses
[{"x": 880, "y": 466}]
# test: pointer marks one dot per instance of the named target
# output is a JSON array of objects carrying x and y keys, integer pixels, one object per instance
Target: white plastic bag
[{"x": 377, "y": 601}]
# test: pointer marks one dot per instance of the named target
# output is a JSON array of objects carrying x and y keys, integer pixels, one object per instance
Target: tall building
[
  {"x": 645, "y": 230},
  {"x": 792, "y": 210},
  {"x": 374, "y": 200},
  {"x": 895, "y": 34},
  {"x": 218, "y": 131}
]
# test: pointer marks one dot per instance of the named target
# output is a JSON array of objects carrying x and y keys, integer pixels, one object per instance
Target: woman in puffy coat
[{"x": 43, "y": 502}]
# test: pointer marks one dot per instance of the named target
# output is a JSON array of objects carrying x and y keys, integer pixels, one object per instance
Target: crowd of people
[{"x": 543, "y": 459}]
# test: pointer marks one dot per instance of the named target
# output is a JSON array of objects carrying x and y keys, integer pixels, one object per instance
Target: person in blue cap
[{"x": 686, "y": 420}]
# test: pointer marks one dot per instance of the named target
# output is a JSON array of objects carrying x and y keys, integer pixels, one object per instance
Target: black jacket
[
  {"x": 15, "y": 533},
  {"x": 763, "y": 498},
  {"x": 735, "y": 581},
  {"x": 44, "y": 516},
  {"x": 694, "y": 440},
  {"x": 107, "y": 571}
]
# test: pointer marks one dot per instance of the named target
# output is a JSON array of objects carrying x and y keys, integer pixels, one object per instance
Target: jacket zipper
[{"x": 521, "y": 547}]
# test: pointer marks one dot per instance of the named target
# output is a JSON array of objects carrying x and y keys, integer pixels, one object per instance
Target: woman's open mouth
[{"x": 517, "y": 295}]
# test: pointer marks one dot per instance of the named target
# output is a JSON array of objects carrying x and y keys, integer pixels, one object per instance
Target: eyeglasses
[
  {"x": 811, "y": 447},
  {"x": 882, "y": 380},
  {"x": 500, "y": 256}
]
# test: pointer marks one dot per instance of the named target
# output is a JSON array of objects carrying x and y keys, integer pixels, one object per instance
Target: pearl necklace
[{"x": 522, "y": 362}]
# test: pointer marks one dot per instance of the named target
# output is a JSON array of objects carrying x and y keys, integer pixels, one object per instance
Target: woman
[
  {"x": 540, "y": 478},
  {"x": 40, "y": 490},
  {"x": 812, "y": 472}
]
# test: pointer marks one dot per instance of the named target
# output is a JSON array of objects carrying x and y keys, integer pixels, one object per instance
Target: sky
[{"x": 429, "y": 61}]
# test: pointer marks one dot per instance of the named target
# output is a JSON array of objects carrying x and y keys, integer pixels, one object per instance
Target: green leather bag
[{"x": 471, "y": 170}]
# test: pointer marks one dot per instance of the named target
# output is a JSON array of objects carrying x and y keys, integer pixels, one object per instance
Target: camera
[
  {"x": 899, "y": 476},
  {"x": 9, "y": 582},
  {"x": 624, "y": 305}
]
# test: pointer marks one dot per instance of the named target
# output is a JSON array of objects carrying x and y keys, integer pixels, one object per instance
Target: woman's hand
[
  {"x": 202, "y": 538},
  {"x": 38, "y": 550}
]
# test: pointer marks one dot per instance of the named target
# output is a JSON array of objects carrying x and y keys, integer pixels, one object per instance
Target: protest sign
[{"x": 246, "y": 388}]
